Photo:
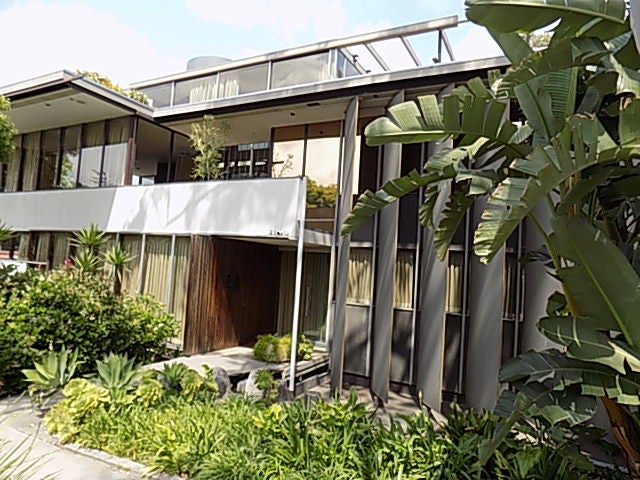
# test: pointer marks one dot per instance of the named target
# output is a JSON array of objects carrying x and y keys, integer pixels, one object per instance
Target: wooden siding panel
[{"x": 233, "y": 291}]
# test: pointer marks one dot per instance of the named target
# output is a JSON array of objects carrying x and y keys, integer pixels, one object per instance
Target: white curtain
[{"x": 359, "y": 276}]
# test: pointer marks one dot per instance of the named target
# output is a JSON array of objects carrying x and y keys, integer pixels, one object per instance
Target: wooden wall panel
[{"x": 233, "y": 292}]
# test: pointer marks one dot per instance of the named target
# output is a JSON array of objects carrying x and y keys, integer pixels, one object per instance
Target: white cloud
[
  {"x": 287, "y": 18},
  {"x": 42, "y": 38},
  {"x": 476, "y": 43}
]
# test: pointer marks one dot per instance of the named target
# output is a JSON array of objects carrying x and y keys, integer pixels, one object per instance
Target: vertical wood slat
[{"x": 232, "y": 294}]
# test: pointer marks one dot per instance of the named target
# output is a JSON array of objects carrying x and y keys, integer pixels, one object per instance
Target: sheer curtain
[
  {"x": 157, "y": 258},
  {"x": 60, "y": 249},
  {"x": 455, "y": 272},
  {"x": 13, "y": 169},
  {"x": 131, "y": 244},
  {"x": 31, "y": 148},
  {"x": 115, "y": 153},
  {"x": 180, "y": 284},
  {"x": 359, "y": 276},
  {"x": 403, "y": 275},
  {"x": 91, "y": 156}
]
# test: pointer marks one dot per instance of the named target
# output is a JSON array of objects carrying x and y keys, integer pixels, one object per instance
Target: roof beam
[
  {"x": 374, "y": 53},
  {"x": 412, "y": 53}
]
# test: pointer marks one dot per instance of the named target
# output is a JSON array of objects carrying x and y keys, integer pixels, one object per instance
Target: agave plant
[
  {"x": 89, "y": 238},
  {"x": 117, "y": 259},
  {"x": 117, "y": 374},
  {"x": 5, "y": 232},
  {"x": 51, "y": 374},
  {"x": 574, "y": 157}
]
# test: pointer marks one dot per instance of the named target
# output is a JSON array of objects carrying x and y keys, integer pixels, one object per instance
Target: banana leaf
[
  {"x": 530, "y": 15},
  {"x": 597, "y": 277}
]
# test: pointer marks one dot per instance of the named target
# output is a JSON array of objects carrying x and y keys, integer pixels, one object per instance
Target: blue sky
[{"x": 132, "y": 40}]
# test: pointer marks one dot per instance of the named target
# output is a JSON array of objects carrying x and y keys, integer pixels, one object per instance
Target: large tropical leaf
[
  {"x": 585, "y": 342},
  {"x": 544, "y": 170},
  {"x": 371, "y": 203},
  {"x": 567, "y": 53},
  {"x": 557, "y": 372},
  {"x": 471, "y": 116},
  {"x": 597, "y": 278},
  {"x": 531, "y": 15}
]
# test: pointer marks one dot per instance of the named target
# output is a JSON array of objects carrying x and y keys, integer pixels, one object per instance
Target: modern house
[{"x": 258, "y": 250}]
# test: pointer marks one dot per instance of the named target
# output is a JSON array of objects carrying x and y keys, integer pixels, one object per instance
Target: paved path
[{"x": 19, "y": 425}]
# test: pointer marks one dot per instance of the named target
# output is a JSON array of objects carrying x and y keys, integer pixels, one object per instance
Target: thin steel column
[
  {"x": 337, "y": 342},
  {"x": 385, "y": 271},
  {"x": 302, "y": 201}
]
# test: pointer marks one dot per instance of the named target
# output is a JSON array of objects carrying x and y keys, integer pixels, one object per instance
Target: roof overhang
[
  {"x": 64, "y": 98},
  {"x": 428, "y": 79}
]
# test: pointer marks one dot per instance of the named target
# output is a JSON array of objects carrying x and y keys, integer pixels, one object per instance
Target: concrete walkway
[{"x": 21, "y": 427}]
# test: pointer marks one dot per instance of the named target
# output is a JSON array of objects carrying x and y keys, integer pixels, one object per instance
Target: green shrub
[
  {"x": 235, "y": 438},
  {"x": 44, "y": 311},
  {"x": 274, "y": 348}
]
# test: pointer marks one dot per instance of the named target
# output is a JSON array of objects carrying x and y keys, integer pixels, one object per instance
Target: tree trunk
[{"x": 627, "y": 436}]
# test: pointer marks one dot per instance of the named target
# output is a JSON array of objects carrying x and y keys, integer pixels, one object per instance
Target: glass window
[
  {"x": 298, "y": 71},
  {"x": 115, "y": 153},
  {"x": 197, "y": 90},
  {"x": 180, "y": 283},
  {"x": 455, "y": 275},
  {"x": 49, "y": 165},
  {"x": 182, "y": 158},
  {"x": 344, "y": 66},
  {"x": 243, "y": 80},
  {"x": 403, "y": 275},
  {"x": 160, "y": 95},
  {"x": 154, "y": 153},
  {"x": 91, "y": 155},
  {"x": 13, "y": 169},
  {"x": 31, "y": 148},
  {"x": 157, "y": 257},
  {"x": 359, "y": 276},
  {"x": 70, "y": 155},
  {"x": 132, "y": 244}
]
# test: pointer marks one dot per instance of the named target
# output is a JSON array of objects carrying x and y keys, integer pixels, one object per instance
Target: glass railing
[{"x": 264, "y": 76}]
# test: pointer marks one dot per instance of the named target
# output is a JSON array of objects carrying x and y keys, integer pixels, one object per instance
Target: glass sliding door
[
  {"x": 70, "y": 157},
  {"x": 31, "y": 147},
  {"x": 91, "y": 155},
  {"x": 115, "y": 153},
  {"x": 49, "y": 164}
]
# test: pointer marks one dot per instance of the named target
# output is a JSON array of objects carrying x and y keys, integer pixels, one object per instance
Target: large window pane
[
  {"x": 157, "y": 258},
  {"x": 359, "y": 276},
  {"x": 91, "y": 155},
  {"x": 298, "y": 71},
  {"x": 31, "y": 148},
  {"x": 403, "y": 284},
  {"x": 49, "y": 165},
  {"x": 197, "y": 90},
  {"x": 132, "y": 244},
  {"x": 455, "y": 275},
  {"x": 13, "y": 169},
  {"x": 180, "y": 283},
  {"x": 182, "y": 158},
  {"x": 160, "y": 95},
  {"x": 153, "y": 156},
  {"x": 70, "y": 155},
  {"x": 243, "y": 80},
  {"x": 115, "y": 153}
]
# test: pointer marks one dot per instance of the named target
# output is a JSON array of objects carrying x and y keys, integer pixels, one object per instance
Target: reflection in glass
[
  {"x": 91, "y": 155},
  {"x": 49, "y": 163},
  {"x": 115, "y": 153},
  {"x": 197, "y": 90},
  {"x": 298, "y": 71},
  {"x": 243, "y": 80},
  {"x": 31, "y": 148},
  {"x": 70, "y": 154},
  {"x": 455, "y": 273},
  {"x": 159, "y": 95}
]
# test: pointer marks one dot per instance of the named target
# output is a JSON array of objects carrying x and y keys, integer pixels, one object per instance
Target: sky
[{"x": 135, "y": 40}]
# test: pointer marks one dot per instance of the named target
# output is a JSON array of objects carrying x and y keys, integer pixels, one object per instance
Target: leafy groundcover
[{"x": 200, "y": 437}]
